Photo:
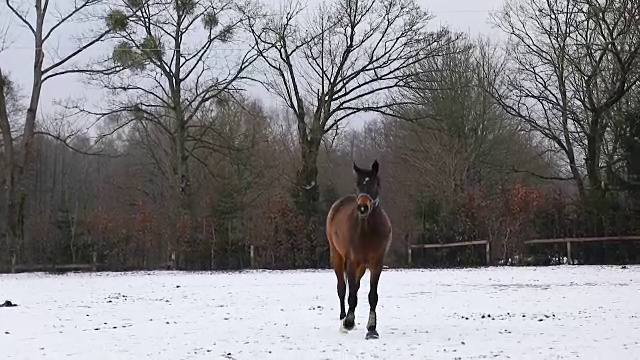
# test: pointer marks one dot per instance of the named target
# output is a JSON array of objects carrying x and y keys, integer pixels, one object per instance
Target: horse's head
[{"x": 367, "y": 188}]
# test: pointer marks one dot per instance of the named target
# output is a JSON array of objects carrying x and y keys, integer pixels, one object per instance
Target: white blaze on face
[{"x": 365, "y": 180}]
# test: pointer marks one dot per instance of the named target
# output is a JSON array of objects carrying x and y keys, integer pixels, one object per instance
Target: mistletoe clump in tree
[{"x": 171, "y": 59}]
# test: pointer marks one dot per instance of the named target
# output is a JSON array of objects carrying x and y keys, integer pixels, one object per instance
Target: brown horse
[{"x": 359, "y": 235}]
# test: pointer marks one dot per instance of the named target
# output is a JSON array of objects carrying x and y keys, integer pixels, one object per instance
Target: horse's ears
[
  {"x": 375, "y": 167},
  {"x": 356, "y": 169}
]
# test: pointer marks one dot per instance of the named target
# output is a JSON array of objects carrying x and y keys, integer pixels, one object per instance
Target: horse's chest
[{"x": 366, "y": 239}]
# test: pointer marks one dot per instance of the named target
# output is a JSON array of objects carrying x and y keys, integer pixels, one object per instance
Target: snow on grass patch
[{"x": 564, "y": 312}]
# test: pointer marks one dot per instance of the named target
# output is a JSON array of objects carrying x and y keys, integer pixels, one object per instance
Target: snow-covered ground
[{"x": 564, "y": 312}]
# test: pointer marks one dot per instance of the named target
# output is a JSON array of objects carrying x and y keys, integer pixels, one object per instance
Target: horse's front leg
[
  {"x": 337, "y": 262},
  {"x": 375, "y": 271},
  {"x": 353, "y": 281}
]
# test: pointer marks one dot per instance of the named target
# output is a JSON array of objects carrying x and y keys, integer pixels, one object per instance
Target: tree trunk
[
  {"x": 306, "y": 196},
  {"x": 596, "y": 196},
  {"x": 307, "y": 191},
  {"x": 15, "y": 186},
  {"x": 569, "y": 150},
  {"x": 593, "y": 162},
  {"x": 185, "y": 209},
  {"x": 632, "y": 149},
  {"x": 185, "y": 242},
  {"x": 182, "y": 176},
  {"x": 7, "y": 141}
]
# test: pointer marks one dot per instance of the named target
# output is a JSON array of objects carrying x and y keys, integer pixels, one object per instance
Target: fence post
[
  {"x": 409, "y": 255},
  {"x": 95, "y": 261},
  {"x": 252, "y": 255},
  {"x": 569, "y": 252},
  {"x": 213, "y": 246},
  {"x": 173, "y": 260},
  {"x": 13, "y": 263},
  {"x": 487, "y": 250}
]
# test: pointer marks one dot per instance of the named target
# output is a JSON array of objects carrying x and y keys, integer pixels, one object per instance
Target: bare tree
[
  {"x": 567, "y": 64},
  {"x": 174, "y": 66},
  {"x": 339, "y": 60},
  {"x": 465, "y": 137},
  {"x": 172, "y": 58},
  {"x": 42, "y": 32},
  {"x": 606, "y": 67}
]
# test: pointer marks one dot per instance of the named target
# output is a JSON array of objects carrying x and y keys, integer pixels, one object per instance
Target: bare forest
[{"x": 536, "y": 136}]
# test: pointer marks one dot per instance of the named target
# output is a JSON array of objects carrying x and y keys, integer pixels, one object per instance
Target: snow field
[{"x": 563, "y": 312}]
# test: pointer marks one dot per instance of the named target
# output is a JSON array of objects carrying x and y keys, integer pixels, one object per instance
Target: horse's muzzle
[
  {"x": 364, "y": 205},
  {"x": 363, "y": 209}
]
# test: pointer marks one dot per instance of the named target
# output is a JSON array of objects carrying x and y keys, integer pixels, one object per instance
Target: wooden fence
[
  {"x": 487, "y": 248},
  {"x": 172, "y": 264},
  {"x": 93, "y": 266},
  {"x": 487, "y": 245},
  {"x": 569, "y": 241}
]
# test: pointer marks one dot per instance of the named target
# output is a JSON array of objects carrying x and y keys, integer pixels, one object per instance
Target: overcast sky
[{"x": 17, "y": 59}]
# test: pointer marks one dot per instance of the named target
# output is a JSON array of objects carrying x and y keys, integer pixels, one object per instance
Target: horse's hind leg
[
  {"x": 337, "y": 263},
  {"x": 375, "y": 270}
]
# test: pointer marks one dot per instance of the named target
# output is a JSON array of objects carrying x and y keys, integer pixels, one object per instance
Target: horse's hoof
[
  {"x": 342, "y": 329},
  {"x": 348, "y": 323},
  {"x": 372, "y": 334}
]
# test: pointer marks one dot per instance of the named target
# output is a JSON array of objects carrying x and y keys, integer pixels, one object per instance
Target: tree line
[{"x": 535, "y": 136}]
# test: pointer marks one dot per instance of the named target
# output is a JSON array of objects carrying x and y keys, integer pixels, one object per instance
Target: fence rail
[
  {"x": 568, "y": 241},
  {"x": 93, "y": 266},
  {"x": 487, "y": 244},
  {"x": 172, "y": 264}
]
